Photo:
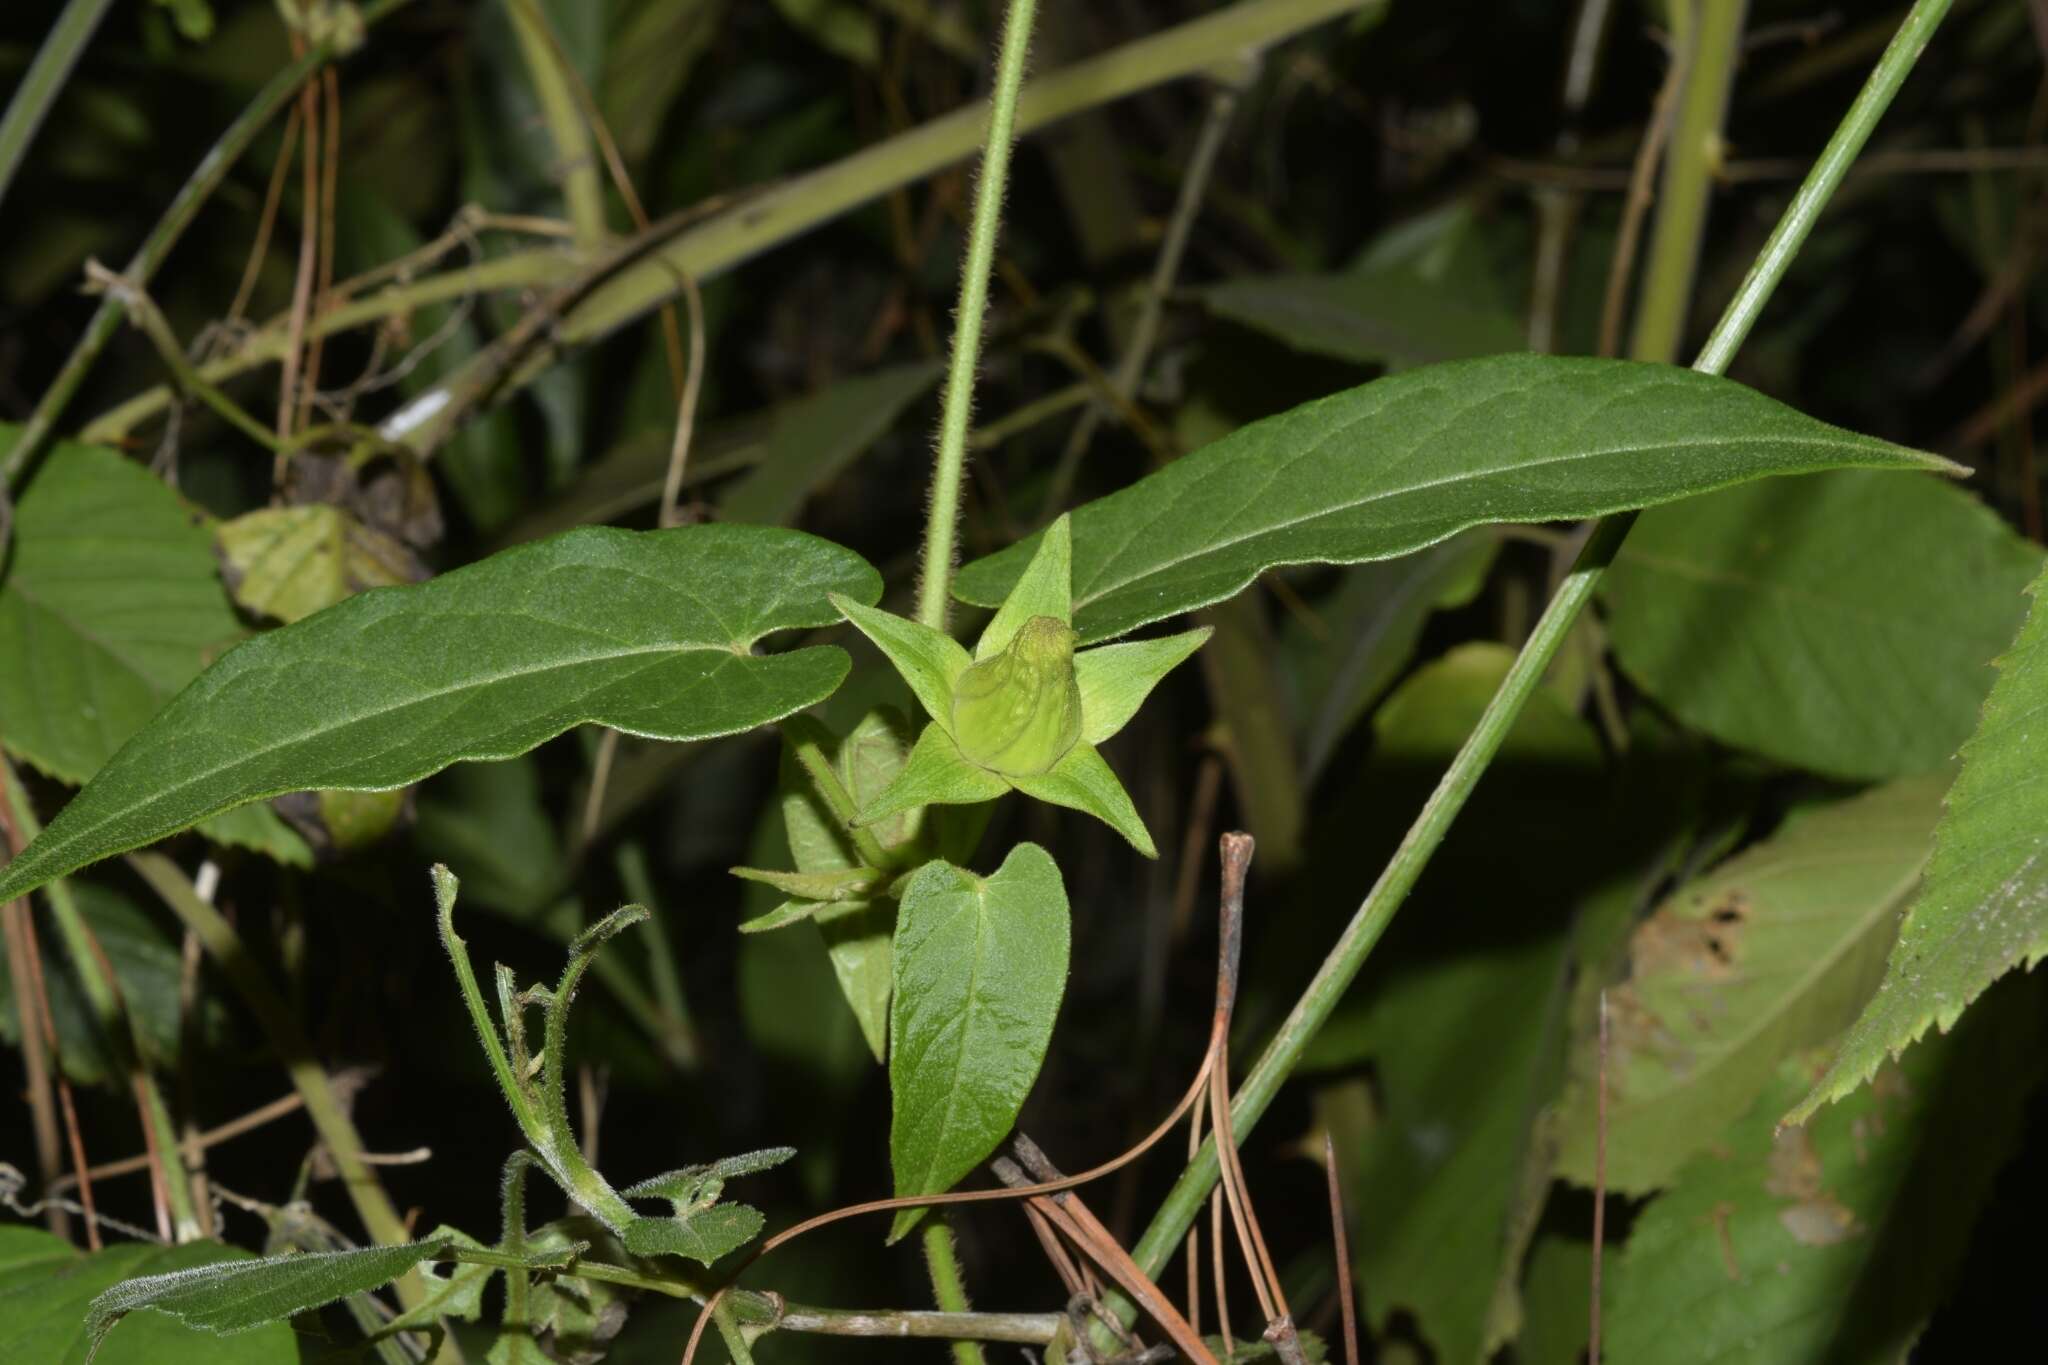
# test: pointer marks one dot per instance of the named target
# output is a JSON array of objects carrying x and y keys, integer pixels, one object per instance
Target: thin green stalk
[
  {"x": 116, "y": 1025},
  {"x": 1341, "y": 967},
  {"x": 708, "y": 249},
  {"x": 678, "y": 1039},
  {"x": 330, "y": 1119},
  {"x": 582, "y": 191},
  {"x": 949, "y": 1291},
  {"x": 205, "y": 178},
  {"x": 734, "y": 1335},
  {"x": 935, "y": 589},
  {"x": 825, "y": 781},
  {"x": 1713, "y": 44},
  {"x": 45, "y": 79}
]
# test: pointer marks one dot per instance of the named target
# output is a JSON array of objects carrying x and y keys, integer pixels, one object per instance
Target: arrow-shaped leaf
[
  {"x": 648, "y": 632},
  {"x": 1403, "y": 462}
]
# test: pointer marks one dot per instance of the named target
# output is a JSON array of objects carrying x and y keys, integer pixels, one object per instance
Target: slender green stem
[
  {"x": 1030, "y": 1329},
  {"x": 197, "y": 189},
  {"x": 1339, "y": 969},
  {"x": 732, "y": 1332},
  {"x": 949, "y": 1291},
  {"x": 935, "y": 589},
  {"x": 825, "y": 781},
  {"x": 116, "y": 1024},
  {"x": 705, "y": 250},
  {"x": 582, "y": 190},
  {"x": 330, "y": 1119},
  {"x": 1713, "y": 45},
  {"x": 45, "y": 79},
  {"x": 678, "y": 1038}
]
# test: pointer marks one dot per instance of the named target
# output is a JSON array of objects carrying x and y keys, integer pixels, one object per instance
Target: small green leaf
[
  {"x": 1983, "y": 908},
  {"x": 457, "y": 1294},
  {"x": 937, "y": 774},
  {"x": 46, "y": 1287},
  {"x": 289, "y": 562},
  {"x": 1775, "y": 951},
  {"x": 704, "y": 1236},
  {"x": 702, "y": 1182},
  {"x": 931, "y": 661},
  {"x": 981, "y": 964},
  {"x": 648, "y": 632},
  {"x": 235, "y": 1296},
  {"x": 1406, "y": 461},
  {"x": 858, "y": 938},
  {"x": 1046, "y": 589},
  {"x": 783, "y": 915},
  {"x": 1082, "y": 781},
  {"x": 1116, "y": 679},
  {"x": 1842, "y": 623},
  {"x": 844, "y": 884}
]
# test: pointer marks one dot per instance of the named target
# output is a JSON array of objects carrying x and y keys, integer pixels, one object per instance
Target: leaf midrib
[{"x": 1093, "y": 595}]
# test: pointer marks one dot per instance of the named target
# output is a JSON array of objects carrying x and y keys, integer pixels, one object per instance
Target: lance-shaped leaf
[
  {"x": 652, "y": 633},
  {"x": 1983, "y": 907},
  {"x": 981, "y": 964},
  {"x": 235, "y": 1296},
  {"x": 937, "y": 774},
  {"x": 1083, "y": 781},
  {"x": 1406, "y": 461}
]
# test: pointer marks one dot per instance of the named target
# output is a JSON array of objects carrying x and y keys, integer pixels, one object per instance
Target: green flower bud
[{"x": 1018, "y": 713}]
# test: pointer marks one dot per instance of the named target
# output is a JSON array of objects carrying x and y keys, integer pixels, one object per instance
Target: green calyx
[
  {"x": 1018, "y": 713},
  {"x": 1025, "y": 711}
]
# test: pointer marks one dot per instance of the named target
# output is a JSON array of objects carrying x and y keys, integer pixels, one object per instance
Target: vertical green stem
[
  {"x": 576, "y": 165},
  {"x": 1185, "y": 1199},
  {"x": 110, "y": 1012},
  {"x": 944, "y": 514},
  {"x": 1712, "y": 46},
  {"x": 46, "y": 76},
  {"x": 330, "y": 1120},
  {"x": 949, "y": 1291},
  {"x": 197, "y": 189}
]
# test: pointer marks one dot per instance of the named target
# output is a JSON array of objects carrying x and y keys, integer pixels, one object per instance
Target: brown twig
[
  {"x": 1341, "y": 1236},
  {"x": 42, "y": 1105},
  {"x": 309, "y": 259},
  {"x": 273, "y": 195},
  {"x": 39, "y": 992}
]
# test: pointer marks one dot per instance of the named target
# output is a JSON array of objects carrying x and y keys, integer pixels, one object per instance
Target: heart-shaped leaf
[
  {"x": 650, "y": 632},
  {"x": 1403, "y": 462},
  {"x": 981, "y": 964}
]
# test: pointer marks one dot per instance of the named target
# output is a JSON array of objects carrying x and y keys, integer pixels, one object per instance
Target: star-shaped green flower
[{"x": 1025, "y": 710}]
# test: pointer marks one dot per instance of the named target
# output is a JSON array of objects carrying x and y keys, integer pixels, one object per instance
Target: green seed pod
[{"x": 1019, "y": 712}]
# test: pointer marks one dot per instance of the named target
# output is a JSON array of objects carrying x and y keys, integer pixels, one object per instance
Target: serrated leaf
[
  {"x": 289, "y": 562},
  {"x": 812, "y": 439},
  {"x": 1842, "y": 623},
  {"x": 1775, "y": 951},
  {"x": 1835, "y": 1241},
  {"x": 1385, "y": 316},
  {"x": 1983, "y": 907},
  {"x": 649, "y": 632},
  {"x": 1404, "y": 462},
  {"x": 46, "y": 1286},
  {"x": 235, "y": 1296},
  {"x": 110, "y": 603},
  {"x": 981, "y": 965}
]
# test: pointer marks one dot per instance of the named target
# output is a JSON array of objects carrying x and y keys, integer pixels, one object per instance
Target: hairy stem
[
  {"x": 942, "y": 517},
  {"x": 1426, "y": 834},
  {"x": 949, "y": 1291}
]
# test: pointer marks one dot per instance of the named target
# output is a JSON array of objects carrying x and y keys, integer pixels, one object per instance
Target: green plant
[{"x": 1660, "y": 919}]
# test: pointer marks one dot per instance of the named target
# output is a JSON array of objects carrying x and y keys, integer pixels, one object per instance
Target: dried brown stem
[{"x": 1340, "y": 1234}]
